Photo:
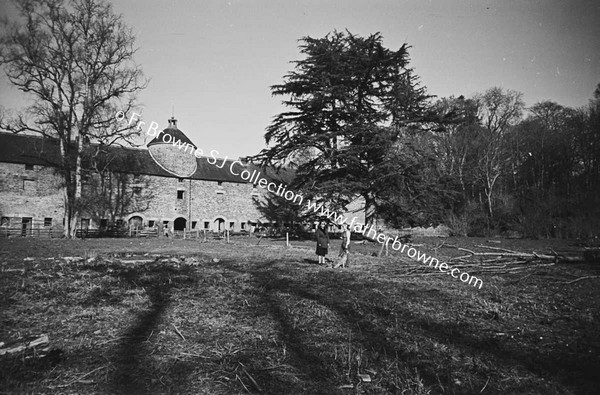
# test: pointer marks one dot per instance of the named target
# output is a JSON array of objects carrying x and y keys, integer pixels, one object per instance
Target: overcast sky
[{"x": 214, "y": 60}]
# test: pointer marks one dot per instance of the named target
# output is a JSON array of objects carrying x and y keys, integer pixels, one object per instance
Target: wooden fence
[
  {"x": 50, "y": 232},
  {"x": 30, "y": 231}
]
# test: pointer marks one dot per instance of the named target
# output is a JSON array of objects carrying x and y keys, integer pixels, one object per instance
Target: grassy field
[{"x": 178, "y": 316}]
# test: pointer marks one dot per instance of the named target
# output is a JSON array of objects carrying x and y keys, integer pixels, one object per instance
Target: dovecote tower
[{"x": 170, "y": 149}]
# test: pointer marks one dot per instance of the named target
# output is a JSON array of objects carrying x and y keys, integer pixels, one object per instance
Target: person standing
[
  {"x": 322, "y": 242},
  {"x": 344, "y": 256}
]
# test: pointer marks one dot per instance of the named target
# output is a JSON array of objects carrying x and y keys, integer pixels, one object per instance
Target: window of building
[
  {"x": 5, "y": 221},
  {"x": 29, "y": 166},
  {"x": 29, "y": 185},
  {"x": 137, "y": 178},
  {"x": 206, "y": 225},
  {"x": 194, "y": 223},
  {"x": 119, "y": 222},
  {"x": 180, "y": 180},
  {"x": 103, "y": 223},
  {"x": 220, "y": 183},
  {"x": 47, "y": 222},
  {"x": 180, "y": 194},
  {"x": 151, "y": 223},
  {"x": 242, "y": 225},
  {"x": 26, "y": 226},
  {"x": 231, "y": 225},
  {"x": 137, "y": 191}
]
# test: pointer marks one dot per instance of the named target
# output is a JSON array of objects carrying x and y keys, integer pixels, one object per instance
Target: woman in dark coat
[{"x": 322, "y": 242}]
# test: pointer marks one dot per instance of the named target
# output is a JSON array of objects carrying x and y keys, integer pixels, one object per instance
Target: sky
[{"x": 212, "y": 62}]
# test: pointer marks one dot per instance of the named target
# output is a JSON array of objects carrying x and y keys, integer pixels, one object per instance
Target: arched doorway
[
  {"x": 219, "y": 224},
  {"x": 179, "y": 224},
  {"x": 136, "y": 222}
]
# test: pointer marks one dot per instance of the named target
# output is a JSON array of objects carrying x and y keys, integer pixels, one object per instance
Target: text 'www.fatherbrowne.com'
[{"x": 237, "y": 168}]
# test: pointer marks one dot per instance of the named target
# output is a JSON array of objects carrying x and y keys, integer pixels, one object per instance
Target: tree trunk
[
  {"x": 74, "y": 200},
  {"x": 488, "y": 195},
  {"x": 461, "y": 167},
  {"x": 67, "y": 217},
  {"x": 68, "y": 191},
  {"x": 369, "y": 209}
]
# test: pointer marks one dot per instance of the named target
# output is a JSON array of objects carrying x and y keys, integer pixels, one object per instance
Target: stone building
[
  {"x": 31, "y": 195},
  {"x": 187, "y": 192}
]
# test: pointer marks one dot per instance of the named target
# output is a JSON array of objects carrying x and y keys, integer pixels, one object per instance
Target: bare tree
[
  {"x": 76, "y": 60},
  {"x": 111, "y": 190},
  {"x": 498, "y": 110},
  {"x": 456, "y": 144}
]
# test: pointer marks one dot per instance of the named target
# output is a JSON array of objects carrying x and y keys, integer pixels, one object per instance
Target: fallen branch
[
  {"x": 486, "y": 383},
  {"x": 250, "y": 377},
  {"x": 179, "y": 333},
  {"x": 116, "y": 339},
  {"x": 497, "y": 248},
  {"x": 580, "y": 257},
  {"x": 195, "y": 355},
  {"x": 79, "y": 379},
  {"x": 581, "y": 278},
  {"x": 524, "y": 255},
  {"x": 244, "y": 385},
  {"x": 39, "y": 341}
]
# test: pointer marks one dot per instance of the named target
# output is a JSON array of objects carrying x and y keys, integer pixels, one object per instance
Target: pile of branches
[
  {"x": 495, "y": 260},
  {"x": 503, "y": 260}
]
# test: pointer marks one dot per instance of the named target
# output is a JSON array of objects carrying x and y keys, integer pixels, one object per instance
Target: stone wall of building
[
  {"x": 35, "y": 192},
  {"x": 31, "y": 191},
  {"x": 214, "y": 205}
]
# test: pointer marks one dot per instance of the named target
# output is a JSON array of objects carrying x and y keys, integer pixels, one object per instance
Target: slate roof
[
  {"x": 35, "y": 150},
  {"x": 176, "y": 135}
]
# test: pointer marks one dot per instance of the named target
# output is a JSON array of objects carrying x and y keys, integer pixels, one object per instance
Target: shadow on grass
[
  {"x": 366, "y": 334},
  {"x": 317, "y": 374},
  {"x": 135, "y": 372},
  {"x": 311, "y": 261},
  {"x": 320, "y": 374},
  {"x": 413, "y": 335},
  {"x": 371, "y": 322}
]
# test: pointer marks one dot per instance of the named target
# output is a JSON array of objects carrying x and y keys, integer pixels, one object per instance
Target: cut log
[
  {"x": 505, "y": 253},
  {"x": 22, "y": 345}
]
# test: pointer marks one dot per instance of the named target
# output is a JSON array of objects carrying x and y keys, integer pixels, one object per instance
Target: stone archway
[
  {"x": 179, "y": 223},
  {"x": 136, "y": 222},
  {"x": 219, "y": 224}
]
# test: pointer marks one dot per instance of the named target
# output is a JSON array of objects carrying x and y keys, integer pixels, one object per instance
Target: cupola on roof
[
  {"x": 175, "y": 135},
  {"x": 166, "y": 150}
]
